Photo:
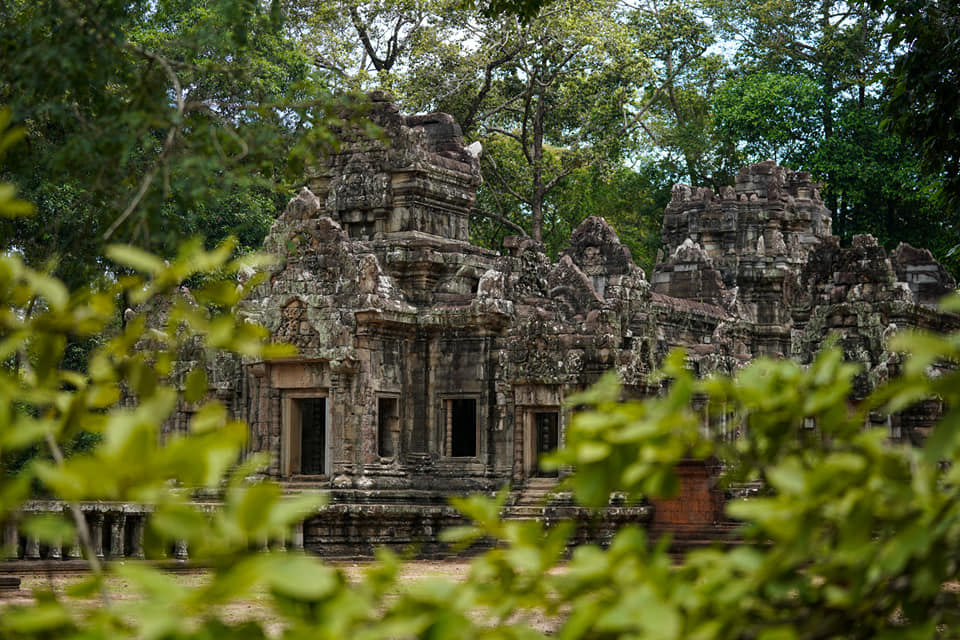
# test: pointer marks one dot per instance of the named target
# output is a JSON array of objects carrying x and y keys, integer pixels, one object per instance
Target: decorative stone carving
[{"x": 408, "y": 332}]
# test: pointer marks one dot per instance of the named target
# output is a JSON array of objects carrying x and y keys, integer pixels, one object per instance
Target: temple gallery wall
[
  {"x": 426, "y": 362},
  {"x": 428, "y": 366}
]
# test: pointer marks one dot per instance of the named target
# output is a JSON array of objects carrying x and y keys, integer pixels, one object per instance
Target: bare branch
[
  {"x": 650, "y": 133},
  {"x": 503, "y": 132},
  {"x": 485, "y": 88},
  {"x": 527, "y": 97},
  {"x": 496, "y": 172},
  {"x": 164, "y": 152},
  {"x": 502, "y": 106},
  {"x": 659, "y": 91},
  {"x": 83, "y": 531},
  {"x": 560, "y": 176},
  {"x": 378, "y": 63},
  {"x": 501, "y": 219}
]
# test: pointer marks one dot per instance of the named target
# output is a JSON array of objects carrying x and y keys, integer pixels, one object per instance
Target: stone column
[
  {"x": 97, "y": 534},
  {"x": 117, "y": 532},
  {"x": 298, "y": 536},
  {"x": 136, "y": 539},
  {"x": 180, "y": 550},
  {"x": 32, "y": 550},
  {"x": 56, "y": 551},
  {"x": 11, "y": 540},
  {"x": 74, "y": 551}
]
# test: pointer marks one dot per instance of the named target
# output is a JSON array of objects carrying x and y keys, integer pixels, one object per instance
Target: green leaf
[
  {"x": 46, "y": 617},
  {"x": 136, "y": 259},
  {"x": 195, "y": 385},
  {"x": 51, "y": 289},
  {"x": 788, "y": 477},
  {"x": 302, "y": 578},
  {"x": 588, "y": 452},
  {"x": 50, "y": 529},
  {"x": 208, "y": 417},
  {"x": 150, "y": 581},
  {"x": 943, "y": 441}
]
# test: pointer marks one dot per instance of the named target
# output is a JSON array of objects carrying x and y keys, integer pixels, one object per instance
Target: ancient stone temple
[{"x": 429, "y": 366}]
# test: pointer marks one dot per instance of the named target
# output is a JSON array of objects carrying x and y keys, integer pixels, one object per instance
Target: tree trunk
[
  {"x": 536, "y": 154},
  {"x": 829, "y": 90}
]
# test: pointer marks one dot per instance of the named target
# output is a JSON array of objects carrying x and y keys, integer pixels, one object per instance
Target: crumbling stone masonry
[{"x": 428, "y": 366}]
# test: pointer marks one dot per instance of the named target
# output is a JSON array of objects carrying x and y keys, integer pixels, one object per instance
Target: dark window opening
[
  {"x": 312, "y": 434},
  {"x": 463, "y": 427},
  {"x": 548, "y": 436},
  {"x": 388, "y": 426}
]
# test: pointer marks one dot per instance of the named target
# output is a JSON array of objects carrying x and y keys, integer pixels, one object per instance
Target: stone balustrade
[{"x": 116, "y": 532}]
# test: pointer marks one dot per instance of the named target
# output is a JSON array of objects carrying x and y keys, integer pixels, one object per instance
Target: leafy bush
[{"x": 856, "y": 536}]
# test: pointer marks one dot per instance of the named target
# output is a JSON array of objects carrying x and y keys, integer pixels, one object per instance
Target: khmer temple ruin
[{"x": 428, "y": 366}]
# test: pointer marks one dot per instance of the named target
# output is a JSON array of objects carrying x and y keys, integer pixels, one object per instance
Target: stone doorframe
[
  {"x": 531, "y": 454},
  {"x": 529, "y": 400},
  {"x": 290, "y": 434}
]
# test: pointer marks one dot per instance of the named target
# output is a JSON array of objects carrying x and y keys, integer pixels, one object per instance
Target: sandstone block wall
[{"x": 428, "y": 363}]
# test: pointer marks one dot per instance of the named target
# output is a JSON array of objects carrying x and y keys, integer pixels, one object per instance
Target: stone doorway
[
  {"x": 305, "y": 447},
  {"x": 312, "y": 435},
  {"x": 547, "y": 435}
]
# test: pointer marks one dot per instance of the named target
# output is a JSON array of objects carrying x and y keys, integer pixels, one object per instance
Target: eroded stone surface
[{"x": 430, "y": 365}]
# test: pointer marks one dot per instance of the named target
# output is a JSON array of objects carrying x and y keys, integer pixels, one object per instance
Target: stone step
[
  {"x": 537, "y": 481},
  {"x": 523, "y": 512},
  {"x": 9, "y": 583}
]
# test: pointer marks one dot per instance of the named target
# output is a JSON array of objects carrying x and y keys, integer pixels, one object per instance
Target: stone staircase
[
  {"x": 537, "y": 499},
  {"x": 536, "y": 492}
]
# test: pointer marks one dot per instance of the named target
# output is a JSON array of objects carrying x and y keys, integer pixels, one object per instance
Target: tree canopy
[
  {"x": 148, "y": 122},
  {"x": 162, "y": 119}
]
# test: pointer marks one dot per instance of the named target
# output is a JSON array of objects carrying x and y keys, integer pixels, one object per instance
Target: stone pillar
[
  {"x": 74, "y": 551},
  {"x": 117, "y": 532},
  {"x": 298, "y": 536},
  {"x": 11, "y": 540},
  {"x": 180, "y": 550},
  {"x": 56, "y": 551},
  {"x": 97, "y": 534},
  {"x": 136, "y": 539},
  {"x": 32, "y": 549}
]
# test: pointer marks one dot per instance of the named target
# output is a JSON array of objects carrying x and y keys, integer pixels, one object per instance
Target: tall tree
[
  {"x": 773, "y": 115},
  {"x": 835, "y": 43},
  {"x": 924, "y": 85},
  {"x": 546, "y": 96},
  {"x": 560, "y": 94},
  {"x": 144, "y": 116},
  {"x": 880, "y": 184},
  {"x": 360, "y": 45},
  {"x": 676, "y": 36}
]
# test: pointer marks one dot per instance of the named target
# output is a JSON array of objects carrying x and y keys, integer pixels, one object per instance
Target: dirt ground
[
  {"x": 253, "y": 607},
  {"x": 59, "y": 582}
]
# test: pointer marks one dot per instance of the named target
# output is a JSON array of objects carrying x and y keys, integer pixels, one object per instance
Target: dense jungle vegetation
[{"x": 134, "y": 124}]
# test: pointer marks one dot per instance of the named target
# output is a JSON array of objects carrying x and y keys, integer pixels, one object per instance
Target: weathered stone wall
[
  {"x": 393, "y": 311},
  {"x": 428, "y": 366}
]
